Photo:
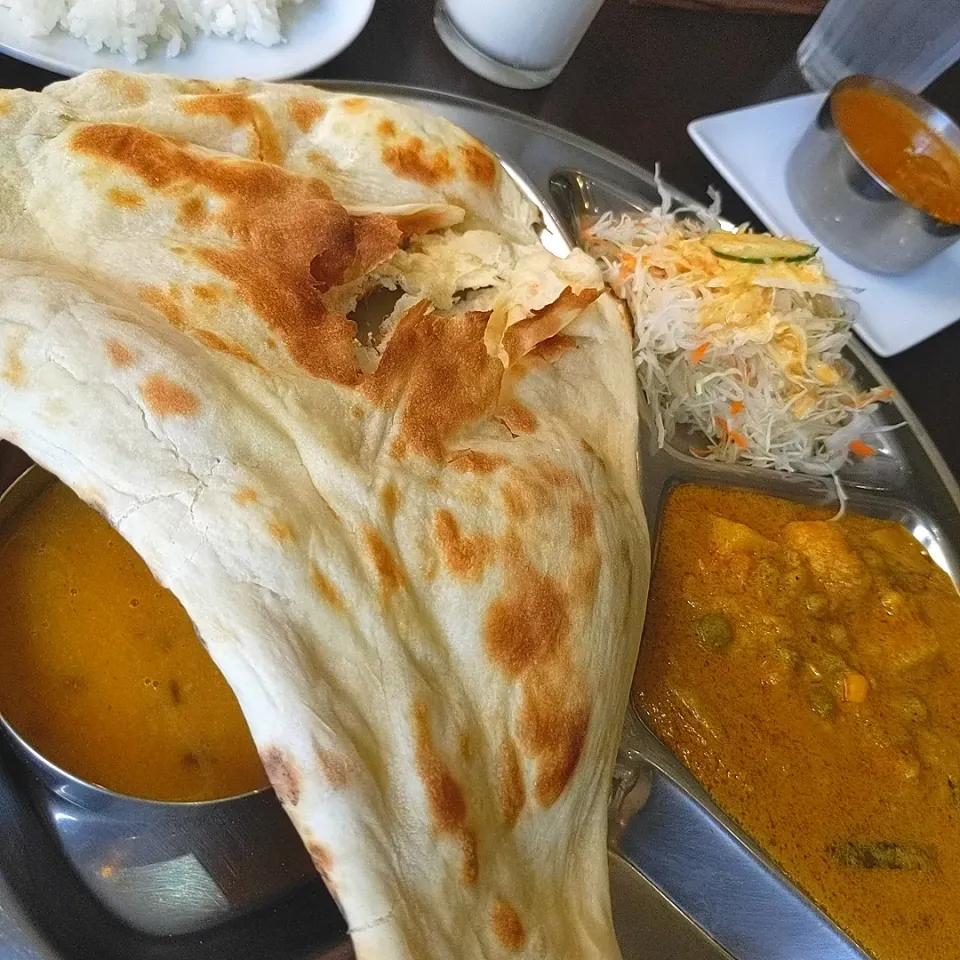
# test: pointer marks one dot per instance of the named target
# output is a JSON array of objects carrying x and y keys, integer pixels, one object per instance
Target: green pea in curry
[{"x": 808, "y": 673}]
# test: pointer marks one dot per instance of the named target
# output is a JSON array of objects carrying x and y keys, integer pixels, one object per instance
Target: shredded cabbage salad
[{"x": 747, "y": 354}]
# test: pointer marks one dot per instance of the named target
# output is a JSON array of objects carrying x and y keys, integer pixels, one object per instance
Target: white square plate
[{"x": 750, "y": 148}]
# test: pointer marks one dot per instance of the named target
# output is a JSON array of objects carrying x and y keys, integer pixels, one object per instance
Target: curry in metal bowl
[
  {"x": 808, "y": 673},
  {"x": 100, "y": 669}
]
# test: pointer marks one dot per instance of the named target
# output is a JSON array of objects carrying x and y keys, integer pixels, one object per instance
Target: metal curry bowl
[
  {"x": 851, "y": 209},
  {"x": 161, "y": 867}
]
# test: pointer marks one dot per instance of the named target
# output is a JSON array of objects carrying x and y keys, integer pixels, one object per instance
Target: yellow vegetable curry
[
  {"x": 100, "y": 669},
  {"x": 808, "y": 673}
]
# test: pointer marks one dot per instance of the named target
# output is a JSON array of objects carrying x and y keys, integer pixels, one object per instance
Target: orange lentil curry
[
  {"x": 808, "y": 673},
  {"x": 100, "y": 669},
  {"x": 911, "y": 158}
]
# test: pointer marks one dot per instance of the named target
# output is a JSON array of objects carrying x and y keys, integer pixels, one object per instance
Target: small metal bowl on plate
[
  {"x": 851, "y": 209},
  {"x": 161, "y": 867}
]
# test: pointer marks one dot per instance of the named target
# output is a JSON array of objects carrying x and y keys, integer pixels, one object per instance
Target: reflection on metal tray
[{"x": 686, "y": 882}]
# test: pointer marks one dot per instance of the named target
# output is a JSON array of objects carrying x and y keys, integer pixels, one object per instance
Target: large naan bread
[{"x": 420, "y": 562}]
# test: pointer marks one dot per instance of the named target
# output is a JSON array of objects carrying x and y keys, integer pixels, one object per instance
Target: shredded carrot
[
  {"x": 861, "y": 449},
  {"x": 699, "y": 353},
  {"x": 739, "y": 439},
  {"x": 874, "y": 396},
  {"x": 722, "y": 426},
  {"x": 736, "y": 407},
  {"x": 701, "y": 451}
]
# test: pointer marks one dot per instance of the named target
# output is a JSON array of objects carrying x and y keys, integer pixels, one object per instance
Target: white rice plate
[{"x": 129, "y": 27}]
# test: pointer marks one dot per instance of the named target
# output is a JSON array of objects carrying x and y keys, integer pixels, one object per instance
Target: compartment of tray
[
  {"x": 673, "y": 832},
  {"x": 582, "y": 198}
]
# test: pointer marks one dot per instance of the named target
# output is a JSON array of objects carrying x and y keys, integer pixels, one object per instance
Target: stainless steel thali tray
[{"x": 686, "y": 882}]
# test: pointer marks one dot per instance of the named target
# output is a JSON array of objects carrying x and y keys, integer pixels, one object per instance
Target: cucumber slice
[{"x": 758, "y": 247}]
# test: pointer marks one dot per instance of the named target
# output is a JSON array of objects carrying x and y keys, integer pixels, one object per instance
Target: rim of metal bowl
[
  {"x": 937, "y": 120},
  {"x": 44, "y": 763}
]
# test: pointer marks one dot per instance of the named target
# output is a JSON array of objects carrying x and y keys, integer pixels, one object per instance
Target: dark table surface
[{"x": 638, "y": 78}]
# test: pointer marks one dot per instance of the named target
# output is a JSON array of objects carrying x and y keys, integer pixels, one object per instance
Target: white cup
[{"x": 516, "y": 43}]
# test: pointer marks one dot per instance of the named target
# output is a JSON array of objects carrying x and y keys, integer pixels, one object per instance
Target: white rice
[{"x": 129, "y": 27}]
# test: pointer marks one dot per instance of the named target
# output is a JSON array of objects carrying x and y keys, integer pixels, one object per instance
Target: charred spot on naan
[
  {"x": 354, "y": 104},
  {"x": 281, "y": 531},
  {"x": 127, "y": 199},
  {"x": 326, "y": 588},
  {"x": 436, "y": 216},
  {"x": 323, "y": 861},
  {"x": 165, "y": 303},
  {"x": 506, "y": 926},
  {"x": 476, "y": 461},
  {"x": 389, "y": 573},
  {"x": 562, "y": 478},
  {"x": 581, "y": 524},
  {"x": 13, "y": 371},
  {"x": 207, "y": 292},
  {"x": 511, "y": 791},
  {"x": 446, "y": 802},
  {"x": 552, "y": 725},
  {"x": 290, "y": 237},
  {"x": 192, "y": 211},
  {"x": 326, "y": 165},
  {"x": 465, "y": 555},
  {"x": 224, "y": 345},
  {"x": 526, "y": 492},
  {"x": 526, "y": 635},
  {"x": 411, "y": 160},
  {"x": 305, "y": 113},
  {"x": 479, "y": 164},
  {"x": 515, "y": 500},
  {"x": 583, "y": 579},
  {"x": 529, "y": 620},
  {"x": 335, "y": 768},
  {"x": 166, "y": 398},
  {"x": 435, "y": 371},
  {"x": 390, "y": 500},
  {"x": 119, "y": 354},
  {"x": 387, "y": 129},
  {"x": 239, "y": 110},
  {"x": 517, "y": 418},
  {"x": 131, "y": 91},
  {"x": 584, "y": 573},
  {"x": 283, "y": 773},
  {"x": 245, "y": 496}
]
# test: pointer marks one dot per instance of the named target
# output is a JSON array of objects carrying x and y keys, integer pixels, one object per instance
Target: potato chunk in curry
[{"x": 808, "y": 673}]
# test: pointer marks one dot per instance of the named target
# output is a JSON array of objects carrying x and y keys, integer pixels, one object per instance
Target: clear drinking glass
[
  {"x": 516, "y": 43},
  {"x": 910, "y": 42}
]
